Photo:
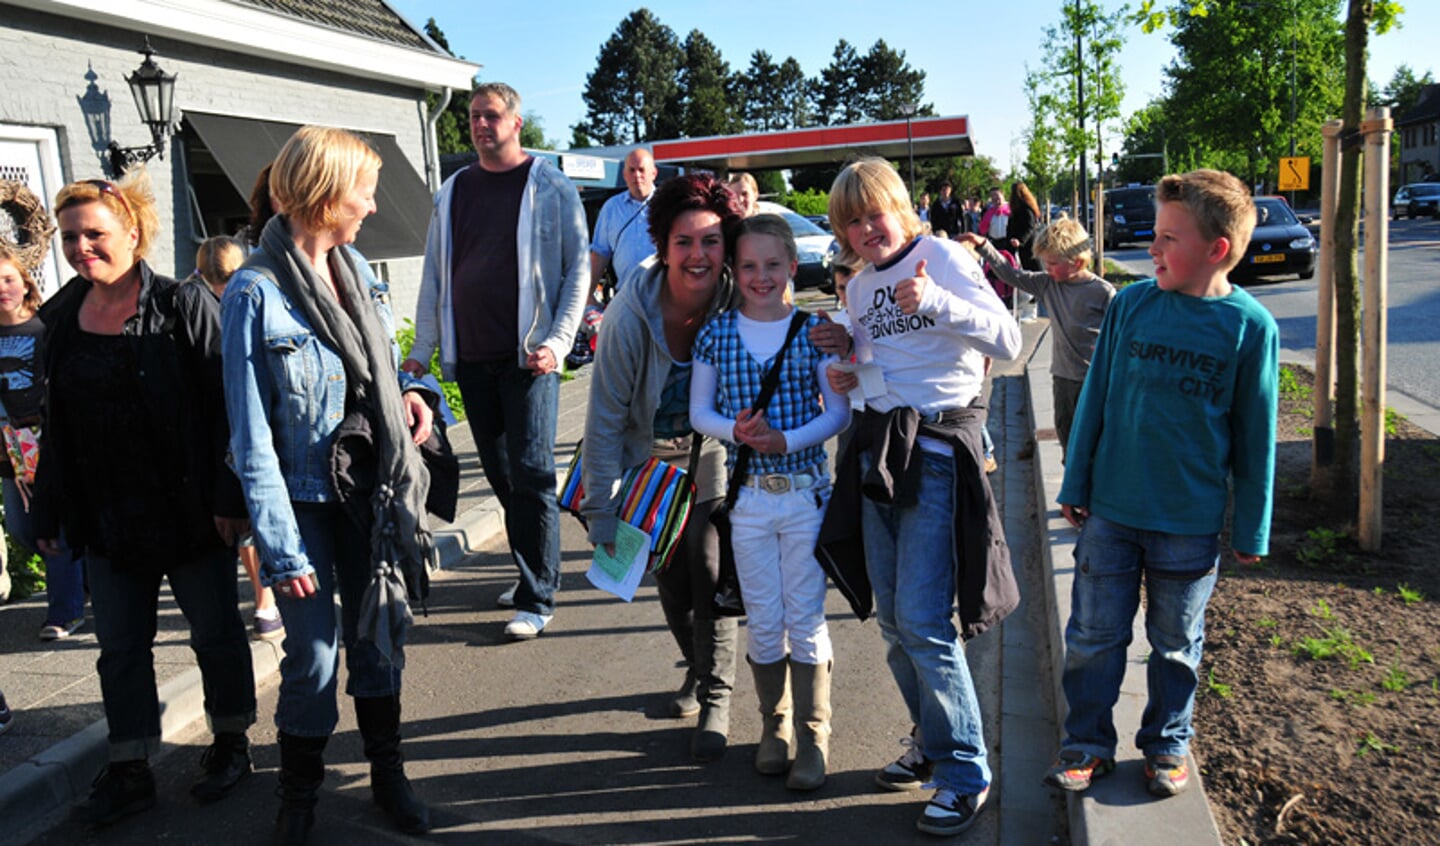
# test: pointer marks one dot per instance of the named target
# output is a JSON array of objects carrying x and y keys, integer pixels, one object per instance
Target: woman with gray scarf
[{"x": 309, "y": 350}]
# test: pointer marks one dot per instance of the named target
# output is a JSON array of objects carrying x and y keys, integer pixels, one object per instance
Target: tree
[
  {"x": 706, "y": 90},
  {"x": 1335, "y": 485},
  {"x": 837, "y": 90},
  {"x": 1080, "y": 111},
  {"x": 452, "y": 128},
  {"x": 532, "y": 133},
  {"x": 1044, "y": 156},
  {"x": 885, "y": 82},
  {"x": 795, "y": 91},
  {"x": 632, "y": 95},
  {"x": 763, "y": 109}
]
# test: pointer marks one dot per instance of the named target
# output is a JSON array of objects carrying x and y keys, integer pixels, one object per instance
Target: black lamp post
[
  {"x": 908, "y": 110},
  {"x": 154, "y": 93}
]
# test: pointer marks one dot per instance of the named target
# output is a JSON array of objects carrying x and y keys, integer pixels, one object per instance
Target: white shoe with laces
[{"x": 527, "y": 625}]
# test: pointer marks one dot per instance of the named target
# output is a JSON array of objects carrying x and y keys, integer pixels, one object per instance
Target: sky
[{"x": 974, "y": 54}]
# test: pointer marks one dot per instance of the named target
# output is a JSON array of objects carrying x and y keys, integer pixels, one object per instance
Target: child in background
[
  {"x": 776, "y": 518},
  {"x": 1179, "y": 405},
  {"x": 22, "y": 393},
  {"x": 930, "y": 533},
  {"x": 1075, "y": 299},
  {"x": 216, "y": 260}
]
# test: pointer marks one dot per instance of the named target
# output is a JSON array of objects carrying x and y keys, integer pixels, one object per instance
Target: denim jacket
[{"x": 285, "y": 396}]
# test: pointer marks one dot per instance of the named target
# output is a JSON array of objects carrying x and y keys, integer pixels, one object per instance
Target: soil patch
[{"x": 1320, "y": 690}]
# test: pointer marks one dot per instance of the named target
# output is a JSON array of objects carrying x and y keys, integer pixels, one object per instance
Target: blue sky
[{"x": 546, "y": 49}]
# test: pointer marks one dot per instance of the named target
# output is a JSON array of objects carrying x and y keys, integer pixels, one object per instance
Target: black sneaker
[
  {"x": 122, "y": 788},
  {"x": 910, "y": 771},
  {"x": 949, "y": 813},
  {"x": 223, "y": 766},
  {"x": 5, "y": 714}
]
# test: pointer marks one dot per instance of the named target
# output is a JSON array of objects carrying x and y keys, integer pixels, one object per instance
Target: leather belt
[{"x": 777, "y": 483}]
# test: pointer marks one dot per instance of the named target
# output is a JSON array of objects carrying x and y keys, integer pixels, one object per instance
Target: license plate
[
  {"x": 1141, "y": 233},
  {"x": 1270, "y": 259}
]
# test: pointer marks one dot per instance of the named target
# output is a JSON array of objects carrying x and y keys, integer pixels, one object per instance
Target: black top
[
  {"x": 484, "y": 261},
  {"x": 21, "y": 388}
]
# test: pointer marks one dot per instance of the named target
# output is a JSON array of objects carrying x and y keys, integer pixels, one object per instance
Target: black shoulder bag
[{"x": 728, "y": 602}]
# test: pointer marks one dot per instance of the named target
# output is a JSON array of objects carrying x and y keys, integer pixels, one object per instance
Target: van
[{"x": 1129, "y": 214}]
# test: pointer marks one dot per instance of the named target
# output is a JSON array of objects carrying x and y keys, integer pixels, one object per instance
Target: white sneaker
[
  {"x": 507, "y": 599},
  {"x": 526, "y": 625}
]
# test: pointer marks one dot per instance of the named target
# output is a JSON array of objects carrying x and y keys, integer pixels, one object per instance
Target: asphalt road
[{"x": 1414, "y": 307}]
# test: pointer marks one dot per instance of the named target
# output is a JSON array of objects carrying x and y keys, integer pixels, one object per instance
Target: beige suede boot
[
  {"x": 772, "y": 688},
  {"x": 810, "y": 684}
]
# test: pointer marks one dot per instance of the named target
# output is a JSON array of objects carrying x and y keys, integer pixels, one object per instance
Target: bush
[
  {"x": 809, "y": 201},
  {"x": 405, "y": 337}
]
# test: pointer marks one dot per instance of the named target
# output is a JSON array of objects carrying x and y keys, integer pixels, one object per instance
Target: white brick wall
[{"x": 44, "y": 61}]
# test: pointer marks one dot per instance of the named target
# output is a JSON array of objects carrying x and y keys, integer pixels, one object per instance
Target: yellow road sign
[{"x": 1295, "y": 173}]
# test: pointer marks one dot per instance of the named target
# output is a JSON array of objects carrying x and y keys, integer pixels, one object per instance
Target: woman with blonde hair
[
  {"x": 133, "y": 469},
  {"x": 308, "y": 340}
]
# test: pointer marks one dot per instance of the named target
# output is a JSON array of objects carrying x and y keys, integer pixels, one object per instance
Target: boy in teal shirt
[{"x": 1179, "y": 403}]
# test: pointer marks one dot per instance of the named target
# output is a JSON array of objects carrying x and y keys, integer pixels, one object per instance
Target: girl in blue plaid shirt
[{"x": 777, "y": 517}]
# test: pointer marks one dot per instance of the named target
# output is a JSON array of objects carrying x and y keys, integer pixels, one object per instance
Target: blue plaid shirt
[{"x": 738, "y": 375}]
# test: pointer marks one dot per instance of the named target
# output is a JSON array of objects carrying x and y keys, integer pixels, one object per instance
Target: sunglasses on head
[{"x": 106, "y": 187}]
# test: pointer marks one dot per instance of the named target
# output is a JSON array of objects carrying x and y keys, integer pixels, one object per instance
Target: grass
[
  {"x": 1409, "y": 595},
  {"x": 405, "y": 337},
  {"x": 1336, "y": 643},
  {"x": 1369, "y": 742},
  {"x": 1392, "y": 420},
  {"x": 1322, "y": 609},
  {"x": 1353, "y": 698},
  {"x": 1290, "y": 386},
  {"x": 1321, "y": 548},
  {"x": 1220, "y": 689},
  {"x": 1395, "y": 679}
]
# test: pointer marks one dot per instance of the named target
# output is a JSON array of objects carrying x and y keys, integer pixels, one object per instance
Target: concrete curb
[
  {"x": 1116, "y": 810},
  {"x": 59, "y": 776}
]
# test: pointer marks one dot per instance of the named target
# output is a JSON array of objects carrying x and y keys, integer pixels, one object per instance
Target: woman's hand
[
  {"x": 231, "y": 529},
  {"x": 301, "y": 587},
  {"x": 841, "y": 382},
  {"x": 418, "y": 416}
]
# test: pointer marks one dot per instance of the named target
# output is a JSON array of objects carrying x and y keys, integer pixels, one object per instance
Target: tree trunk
[{"x": 1347, "y": 275}]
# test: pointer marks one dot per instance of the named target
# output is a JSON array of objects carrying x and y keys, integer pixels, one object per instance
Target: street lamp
[
  {"x": 154, "y": 93},
  {"x": 908, "y": 110}
]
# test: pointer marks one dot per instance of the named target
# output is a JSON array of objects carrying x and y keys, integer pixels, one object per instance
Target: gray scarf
[{"x": 400, "y": 539}]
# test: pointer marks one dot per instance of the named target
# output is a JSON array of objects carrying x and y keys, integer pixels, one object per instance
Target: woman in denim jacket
[{"x": 307, "y": 337}]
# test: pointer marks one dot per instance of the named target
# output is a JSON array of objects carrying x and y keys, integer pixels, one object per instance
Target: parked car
[
  {"x": 1279, "y": 245},
  {"x": 1129, "y": 214},
  {"x": 1416, "y": 199},
  {"x": 812, "y": 242},
  {"x": 820, "y": 220}
]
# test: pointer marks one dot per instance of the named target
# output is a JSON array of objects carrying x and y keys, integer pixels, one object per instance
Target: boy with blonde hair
[
  {"x": 928, "y": 537},
  {"x": 1074, "y": 298},
  {"x": 1179, "y": 406}
]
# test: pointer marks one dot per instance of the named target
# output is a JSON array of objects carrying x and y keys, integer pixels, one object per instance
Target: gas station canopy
[{"x": 930, "y": 136}]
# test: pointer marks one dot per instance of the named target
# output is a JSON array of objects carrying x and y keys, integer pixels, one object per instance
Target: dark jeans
[
  {"x": 687, "y": 585},
  {"x": 315, "y": 629},
  {"x": 1066, "y": 396},
  {"x": 125, "y": 604},
  {"x": 64, "y": 573},
  {"x": 512, "y": 415}
]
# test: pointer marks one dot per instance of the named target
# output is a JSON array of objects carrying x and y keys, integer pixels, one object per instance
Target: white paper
[
  {"x": 872, "y": 380},
  {"x": 620, "y": 574}
]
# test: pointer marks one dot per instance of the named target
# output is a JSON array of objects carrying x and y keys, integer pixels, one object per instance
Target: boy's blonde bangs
[
  {"x": 1064, "y": 239},
  {"x": 863, "y": 187}
]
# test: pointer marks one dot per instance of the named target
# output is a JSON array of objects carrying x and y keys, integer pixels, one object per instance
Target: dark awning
[{"x": 242, "y": 146}]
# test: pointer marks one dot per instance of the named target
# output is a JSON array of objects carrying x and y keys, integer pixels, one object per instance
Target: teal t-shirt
[{"x": 1180, "y": 400}]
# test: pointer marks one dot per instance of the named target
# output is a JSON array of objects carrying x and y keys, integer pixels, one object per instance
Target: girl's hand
[
  {"x": 909, "y": 292},
  {"x": 771, "y": 442},
  {"x": 1076, "y": 514},
  {"x": 302, "y": 587},
  {"x": 418, "y": 417}
]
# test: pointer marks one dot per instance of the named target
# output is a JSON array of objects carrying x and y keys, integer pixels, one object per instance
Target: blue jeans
[
  {"x": 314, "y": 630},
  {"x": 910, "y": 556},
  {"x": 125, "y": 605},
  {"x": 512, "y": 415},
  {"x": 64, "y": 573},
  {"x": 1179, "y": 573}
]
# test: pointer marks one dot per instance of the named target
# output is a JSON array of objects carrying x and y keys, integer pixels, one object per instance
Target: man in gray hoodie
[{"x": 501, "y": 294}]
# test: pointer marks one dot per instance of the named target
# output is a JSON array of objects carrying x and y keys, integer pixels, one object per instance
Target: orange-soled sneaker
[
  {"x": 1073, "y": 770},
  {"x": 1166, "y": 775}
]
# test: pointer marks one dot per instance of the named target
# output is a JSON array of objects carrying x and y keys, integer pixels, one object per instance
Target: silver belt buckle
[{"x": 775, "y": 483}]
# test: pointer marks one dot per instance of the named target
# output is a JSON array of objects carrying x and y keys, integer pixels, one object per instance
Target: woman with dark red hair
[{"x": 640, "y": 406}]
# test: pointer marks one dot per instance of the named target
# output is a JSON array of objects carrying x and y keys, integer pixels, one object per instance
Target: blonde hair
[
  {"x": 747, "y": 180},
  {"x": 1064, "y": 239},
  {"x": 131, "y": 199},
  {"x": 864, "y": 187},
  {"x": 10, "y": 254},
  {"x": 316, "y": 168},
  {"x": 775, "y": 226},
  {"x": 217, "y": 259},
  {"x": 1219, "y": 202}
]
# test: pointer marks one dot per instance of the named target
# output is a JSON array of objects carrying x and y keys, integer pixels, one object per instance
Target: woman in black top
[
  {"x": 1024, "y": 224},
  {"x": 133, "y": 468}
]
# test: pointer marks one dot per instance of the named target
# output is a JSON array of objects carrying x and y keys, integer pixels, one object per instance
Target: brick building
[{"x": 249, "y": 72}]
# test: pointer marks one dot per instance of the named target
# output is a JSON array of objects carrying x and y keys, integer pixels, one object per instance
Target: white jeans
[{"x": 784, "y": 588}]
